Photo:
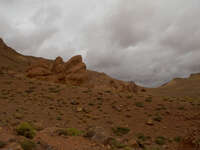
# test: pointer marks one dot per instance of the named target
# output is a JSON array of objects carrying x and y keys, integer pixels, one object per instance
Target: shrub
[
  {"x": 70, "y": 132},
  {"x": 157, "y": 118},
  {"x": 148, "y": 99},
  {"x": 139, "y": 104},
  {"x": 119, "y": 131},
  {"x": 25, "y": 129},
  {"x": 177, "y": 139},
  {"x": 142, "y": 137},
  {"x": 28, "y": 145},
  {"x": 160, "y": 140},
  {"x": 116, "y": 144},
  {"x": 2, "y": 144}
]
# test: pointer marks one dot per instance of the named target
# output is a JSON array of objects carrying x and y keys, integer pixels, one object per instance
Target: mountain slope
[
  {"x": 9, "y": 58},
  {"x": 181, "y": 87},
  {"x": 65, "y": 106}
]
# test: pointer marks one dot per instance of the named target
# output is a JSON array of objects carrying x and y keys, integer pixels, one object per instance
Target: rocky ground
[{"x": 91, "y": 112}]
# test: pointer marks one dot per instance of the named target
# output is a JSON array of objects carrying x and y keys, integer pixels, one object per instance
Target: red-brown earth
[{"x": 54, "y": 96}]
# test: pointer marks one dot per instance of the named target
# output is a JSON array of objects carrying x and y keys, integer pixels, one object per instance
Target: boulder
[
  {"x": 38, "y": 71},
  {"x": 74, "y": 61},
  {"x": 58, "y": 65},
  {"x": 98, "y": 135}
]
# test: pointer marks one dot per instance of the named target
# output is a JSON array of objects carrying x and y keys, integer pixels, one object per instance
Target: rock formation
[{"x": 74, "y": 72}]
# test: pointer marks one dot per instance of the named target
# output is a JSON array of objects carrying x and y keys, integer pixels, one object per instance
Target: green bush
[
  {"x": 148, "y": 99},
  {"x": 177, "y": 139},
  {"x": 2, "y": 144},
  {"x": 119, "y": 131},
  {"x": 28, "y": 145},
  {"x": 142, "y": 137},
  {"x": 70, "y": 132},
  {"x": 116, "y": 144},
  {"x": 157, "y": 118},
  {"x": 160, "y": 140},
  {"x": 139, "y": 104},
  {"x": 25, "y": 129}
]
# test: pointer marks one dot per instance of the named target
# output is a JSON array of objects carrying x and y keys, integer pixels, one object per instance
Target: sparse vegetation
[
  {"x": 70, "y": 132},
  {"x": 177, "y": 139},
  {"x": 119, "y": 131},
  {"x": 139, "y": 104},
  {"x": 157, "y": 118},
  {"x": 59, "y": 118},
  {"x": 129, "y": 96},
  {"x": 181, "y": 108},
  {"x": 88, "y": 101},
  {"x": 154, "y": 148},
  {"x": 148, "y": 99},
  {"x": 25, "y": 129},
  {"x": 117, "y": 144},
  {"x": 142, "y": 137},
  {"x": 2, "y": 144},
  {"x": 160, "y": 140},
  {"x": 27, "y": 145}
]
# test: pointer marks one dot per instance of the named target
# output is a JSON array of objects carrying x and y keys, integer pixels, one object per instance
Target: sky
[{"x": 149, "y": 42}]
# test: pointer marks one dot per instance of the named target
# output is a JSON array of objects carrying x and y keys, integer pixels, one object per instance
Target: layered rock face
[{"x": 73, "y": 71}]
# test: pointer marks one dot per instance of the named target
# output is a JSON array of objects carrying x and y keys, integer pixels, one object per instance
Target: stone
[
  {"x": 133, "y": 143},
  {"x": 98, "y": 135},
  {"x": 38, "y": 71},
  {"x": 58, "y": 65},
  {"x": 79, "y": 109},
  {"x": 150, "y": 122}
]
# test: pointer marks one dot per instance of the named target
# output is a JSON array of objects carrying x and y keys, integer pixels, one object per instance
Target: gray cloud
[{"x": 149, "y": 42}]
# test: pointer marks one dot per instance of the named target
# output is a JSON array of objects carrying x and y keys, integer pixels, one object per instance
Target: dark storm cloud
[{"x": 149, "y": 42}]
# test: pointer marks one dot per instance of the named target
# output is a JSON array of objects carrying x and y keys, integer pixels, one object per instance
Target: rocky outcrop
[
  {"x": 73, "y": 71},
  {"x": 58, "y": 65},
  {"x": 38, "y": 69}
]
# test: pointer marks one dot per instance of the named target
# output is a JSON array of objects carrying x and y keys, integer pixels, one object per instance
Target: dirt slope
[{"x": 181, "y": 87}]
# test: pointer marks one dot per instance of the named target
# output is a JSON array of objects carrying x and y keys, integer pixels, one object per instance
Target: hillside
[
  {"x": 61, "y": 105},
  {"x": 188, "y": 88}
]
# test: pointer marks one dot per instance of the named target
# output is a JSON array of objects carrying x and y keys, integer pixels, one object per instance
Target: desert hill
[
  {"x": 181, "y": 87},
  {"x": 9, "y": 57},
  {"x": 61, "y": 105}
]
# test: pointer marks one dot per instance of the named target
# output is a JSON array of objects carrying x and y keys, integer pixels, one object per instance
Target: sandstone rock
[
  {"x": 130, "y": 87},
  {"x": 73, "y": 62},
  {"x": 58, "y": 65},
  {"x": 73, "y": 71},
  {"x": 38, "y": 71},
  {"x": 39, "y": 68}
]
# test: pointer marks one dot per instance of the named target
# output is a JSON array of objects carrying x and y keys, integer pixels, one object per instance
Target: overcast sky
[{"x": 147, "y": 41}]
